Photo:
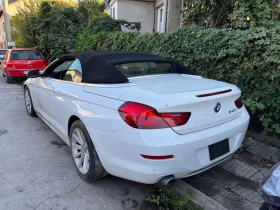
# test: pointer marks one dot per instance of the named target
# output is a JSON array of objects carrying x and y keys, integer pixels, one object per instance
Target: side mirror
[{"x": 34, "y": 74}]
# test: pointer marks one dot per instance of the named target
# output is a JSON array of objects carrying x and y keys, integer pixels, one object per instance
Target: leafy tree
[
  {"x": 25, "y": 25},
  {"x": 54, "y": 26}
]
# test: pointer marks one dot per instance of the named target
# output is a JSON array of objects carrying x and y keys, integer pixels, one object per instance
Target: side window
[
  {"x": 59, "y": 71},
  {"x": 74, "y": 72},
  {"x": 63, "y": 67}
]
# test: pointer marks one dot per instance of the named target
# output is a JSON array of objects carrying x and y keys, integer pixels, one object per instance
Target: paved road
[{"x": 36, "y": 171}]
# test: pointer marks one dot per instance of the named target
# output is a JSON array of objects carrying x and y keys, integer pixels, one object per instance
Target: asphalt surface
[{"x": 37, "y": 172}]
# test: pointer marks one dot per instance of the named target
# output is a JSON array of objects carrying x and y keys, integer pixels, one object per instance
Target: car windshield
[
  {"x": 144, "y": 68},
  {"x": 2, "y": 52},
  {"x": 26, "y": 55}
]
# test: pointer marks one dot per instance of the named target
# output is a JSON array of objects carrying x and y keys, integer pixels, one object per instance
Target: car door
[
  {"x": 46, "y": 90},
  {"x": 69, "y": 93}
]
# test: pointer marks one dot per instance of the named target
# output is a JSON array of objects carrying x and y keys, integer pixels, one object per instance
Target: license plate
[
  {"x": 25, "y": 72},
  {"x": 218, "y": 149}
]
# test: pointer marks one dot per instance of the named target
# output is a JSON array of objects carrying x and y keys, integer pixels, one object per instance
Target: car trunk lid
[
  {"x": 27, "y": 60},
  {"x": 30, "y": 64},
  {"x": 210, "y": 102}
]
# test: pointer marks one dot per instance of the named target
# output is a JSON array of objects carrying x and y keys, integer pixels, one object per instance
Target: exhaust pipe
[{"x": 167, "y": 181}]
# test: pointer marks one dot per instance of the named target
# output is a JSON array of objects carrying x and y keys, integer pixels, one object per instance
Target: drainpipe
[
  {"x": 164, "y": 16},
  {"x": 155, "y": 12},
  {"x": 7, "y": 23}
]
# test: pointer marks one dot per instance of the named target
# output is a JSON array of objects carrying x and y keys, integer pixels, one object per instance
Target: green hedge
[{"x": 246, "y": 58}]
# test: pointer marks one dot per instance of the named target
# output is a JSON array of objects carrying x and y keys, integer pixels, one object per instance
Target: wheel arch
[{"x": 71, "y": 120}]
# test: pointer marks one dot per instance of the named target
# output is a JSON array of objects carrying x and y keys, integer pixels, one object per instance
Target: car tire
[
  {"x": 9, "y": 80},
  {"x": 28, "y": 102},
  {"x": 85, "y": 157}
]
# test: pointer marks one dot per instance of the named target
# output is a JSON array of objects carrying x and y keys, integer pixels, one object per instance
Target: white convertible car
[{"x": 137, "y": 116}]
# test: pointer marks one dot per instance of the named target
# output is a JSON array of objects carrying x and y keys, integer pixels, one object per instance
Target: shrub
[
  {"x": 246, "y": 58},
  {"x": 240, "y": 14}
]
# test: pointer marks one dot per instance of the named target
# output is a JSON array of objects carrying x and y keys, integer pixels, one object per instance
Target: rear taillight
[
  {"x": 10, "y": 64},
  {"x": 176, "y": 119},
  {"x": 142, "y": 116},
  {"x": 45, "y": 63},
  {"x": 239, "y": 103}
]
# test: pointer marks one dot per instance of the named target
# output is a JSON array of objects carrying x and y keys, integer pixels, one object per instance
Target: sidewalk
[{"x": 233, "y": 184}]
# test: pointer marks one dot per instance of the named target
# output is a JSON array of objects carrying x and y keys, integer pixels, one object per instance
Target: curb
[
  {"x": 270, "y": 141},
  {"x": 260, "y": 145},
  {"x": 262, "y": 150},
  {"x": 181, "y": 188}
]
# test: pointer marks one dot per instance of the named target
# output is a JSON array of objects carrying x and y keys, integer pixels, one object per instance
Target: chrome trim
[
  {"x": 110, "y": 85},
  {"x": 95, "y": 85},
  {"x": 192, "y": 76}
]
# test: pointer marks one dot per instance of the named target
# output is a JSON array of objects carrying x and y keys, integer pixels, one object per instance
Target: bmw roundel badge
[{"x": 217, "y": 107}]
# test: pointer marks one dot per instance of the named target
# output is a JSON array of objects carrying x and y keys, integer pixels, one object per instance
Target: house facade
[
  {"x": 3, "y": 43},
  {"x": 12, "y": 5},
  {"x": 8, "y": 9},
  {"x": 154, "y": 15}
]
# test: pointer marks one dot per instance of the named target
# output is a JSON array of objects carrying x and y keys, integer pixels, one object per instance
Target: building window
[
  {"x": 113, "y": 13},
  {"x": 159, "y": 18}
]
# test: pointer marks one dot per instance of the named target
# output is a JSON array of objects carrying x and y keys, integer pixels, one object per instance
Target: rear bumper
[
  {"x": 18, "y": 77},
  {"x": 120, "y": 151},
  {"x": 17, "y": 73}
]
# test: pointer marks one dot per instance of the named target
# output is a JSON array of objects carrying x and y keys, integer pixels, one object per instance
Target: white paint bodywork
[{"x": 119, "y": 146}]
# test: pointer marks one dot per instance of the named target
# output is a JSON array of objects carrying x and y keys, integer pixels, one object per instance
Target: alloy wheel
[
  {"x": 27, "y": 101},
  {"x": 80, "y": 151}
]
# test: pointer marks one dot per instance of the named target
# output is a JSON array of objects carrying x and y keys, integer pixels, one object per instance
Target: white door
[
  {"x": 46, "y": 90},
  {"x": 68, "y": 92}
]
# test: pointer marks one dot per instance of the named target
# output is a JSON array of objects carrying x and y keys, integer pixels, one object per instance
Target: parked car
[
  {"x": 2, "y": 53},
  {"x": 137, "y": 116},
  {"x": 17, "y": 62}
]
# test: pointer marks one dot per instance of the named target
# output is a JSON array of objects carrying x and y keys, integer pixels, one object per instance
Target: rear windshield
[
  {"x": 26, "y": 55},
  {"x": 144, "y": 68},
  {"x": 2, "y": 52}
]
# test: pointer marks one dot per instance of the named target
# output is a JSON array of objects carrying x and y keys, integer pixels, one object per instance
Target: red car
[{"x": 17, "y": 62}]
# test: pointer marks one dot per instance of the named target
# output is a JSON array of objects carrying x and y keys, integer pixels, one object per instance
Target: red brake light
[
  {"x": 10, "y": 64},
  {"x": 142, "y": 116},
  {"x": 239, "y": 103},
  {"x": 176, "y": 119},
  {"x": 213, "y": 94}
]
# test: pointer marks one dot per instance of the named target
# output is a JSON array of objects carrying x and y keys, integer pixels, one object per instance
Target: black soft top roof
[{"x": 99, "y": 66}]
